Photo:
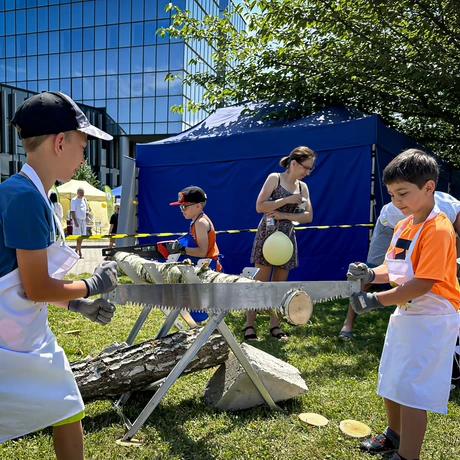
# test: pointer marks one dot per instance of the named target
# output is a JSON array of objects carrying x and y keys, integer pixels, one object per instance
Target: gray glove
[
  {"x": 364, "y": 301},
  {"x": 175, "y": 248},
  {"x": 99, "y": 310},
  {"x": 358, "y": 271},
  {"x": 103, "y": 280}
]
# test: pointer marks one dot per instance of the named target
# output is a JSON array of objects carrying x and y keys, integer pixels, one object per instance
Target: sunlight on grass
[{"x": 341, "y": 378}]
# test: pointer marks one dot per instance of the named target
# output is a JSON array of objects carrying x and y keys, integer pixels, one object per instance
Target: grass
[{"x": 341, "y": 378}]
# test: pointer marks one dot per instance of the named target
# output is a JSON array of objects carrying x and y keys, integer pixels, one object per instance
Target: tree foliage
[
  {"x": 397, "y": 59},
  {"x": 84, "y": 172}
]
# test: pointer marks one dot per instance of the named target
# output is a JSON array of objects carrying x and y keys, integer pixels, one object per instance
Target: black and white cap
[{"x": 53, "y": 113}]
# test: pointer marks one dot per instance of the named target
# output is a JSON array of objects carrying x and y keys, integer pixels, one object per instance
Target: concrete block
[{"x": 231, "y": 389}]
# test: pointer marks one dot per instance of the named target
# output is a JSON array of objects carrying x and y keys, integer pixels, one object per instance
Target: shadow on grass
[{"x": 170, "y": 423}]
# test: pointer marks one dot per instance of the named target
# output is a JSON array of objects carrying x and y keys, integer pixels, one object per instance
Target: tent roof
[
  {"x": 69, "y": 189},
  {"x": 250, "y": 117}
]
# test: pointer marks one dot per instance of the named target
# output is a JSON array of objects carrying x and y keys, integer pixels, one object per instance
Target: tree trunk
[{"x": 133, "y": 368}]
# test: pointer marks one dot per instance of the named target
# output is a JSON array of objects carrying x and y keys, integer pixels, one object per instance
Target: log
[{"x": 134, "y": 367}]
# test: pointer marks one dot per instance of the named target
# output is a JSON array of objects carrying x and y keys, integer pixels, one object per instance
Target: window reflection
[
  {"x": 125, "y": 10},
  {"x": 112, "y": 36},
  {"x": 100, "y": 12},
  {"x": 137, "y": 33},
  {"x": 54, "y": 66},
  {"x": 123, "y": 110},
  {"x": 65, "y": 41},
  {"x": 32, "y": 20},
  {"x": 149, "y": 58},
  {"x": 99, "y": 87},
  {"x": 10, "y": 44},
  {"x": 77, "y": 88},
  {"x": 88, "y": 63},
  {"x": 88, "y": 38},
  {"x": 100, "y": 37},
  {"x": 112, "y": 12},
  {"x": 88, "y": 13},
  {"x": 136, "y": 61},
  {"x": 21, "y": 69},
  {"x": 43, "y": 43},
  {"x": 43, "y": 67},
  {"x": 77, "y": 40},
  {"x": 125, "y": 34},
  {"x": 112, "y": 61},
  {"x": 88, "y": 88},
  {"x": 77, "y": 64},
  {"x": 32, "y": 68},
  {"x": 20, "y": 21},
  {"x": 10, "y": 23},
  {"x": 21, "y": 48},
  {"x": 136, "y": 110},
  {"x": 76, "y": 14},
  {"x": 136, "y": 84},
  {"x": 54, "y": 42},
  {"x": 64, "y": 65},
  {"x": 65, "y": 16},
  {"x": 54, "y": 17},
  {"x": 100, "y": 62}
]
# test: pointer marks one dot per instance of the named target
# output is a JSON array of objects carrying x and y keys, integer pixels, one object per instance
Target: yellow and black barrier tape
[{"x": 218, "y": 232}]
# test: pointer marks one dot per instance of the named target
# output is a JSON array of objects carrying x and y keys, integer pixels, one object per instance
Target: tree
[
  {"x": 85, "y": 172},
  {"x": 397, "y": 59}
]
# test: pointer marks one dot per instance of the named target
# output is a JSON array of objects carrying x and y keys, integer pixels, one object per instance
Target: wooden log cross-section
[{"x": 133, "y": 368}]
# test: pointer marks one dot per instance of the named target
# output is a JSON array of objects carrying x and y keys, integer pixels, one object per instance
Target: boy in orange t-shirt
[{"x": 416, "y": 363}]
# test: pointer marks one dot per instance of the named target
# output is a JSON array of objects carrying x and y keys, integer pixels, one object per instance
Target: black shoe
[
  {"x": 250, "y": 336},
  {"x": 385, "y": 443},
  {"x": 279, "y": 335}
]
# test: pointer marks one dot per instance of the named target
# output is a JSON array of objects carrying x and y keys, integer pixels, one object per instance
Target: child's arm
[
  {"x": 408, "y": 291},
  {"x": 201, "y": 229},
  {"x": 40, "y": 287}
]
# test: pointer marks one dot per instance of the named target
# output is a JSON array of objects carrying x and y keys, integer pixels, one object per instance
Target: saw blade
[{"x": 226, "y": 296}]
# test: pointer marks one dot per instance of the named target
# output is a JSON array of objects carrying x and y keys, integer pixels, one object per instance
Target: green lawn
[{"x": 341, "y": 378}]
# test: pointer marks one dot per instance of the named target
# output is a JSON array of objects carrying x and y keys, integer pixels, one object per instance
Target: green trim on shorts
[{"x": 74, "y": 418}]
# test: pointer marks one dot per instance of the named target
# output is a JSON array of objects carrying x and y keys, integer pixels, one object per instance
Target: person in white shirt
[
  {"x": 381, "y": 238},
  {"x": 78, "y": 212},
  {"x": 56, "y": 206}
]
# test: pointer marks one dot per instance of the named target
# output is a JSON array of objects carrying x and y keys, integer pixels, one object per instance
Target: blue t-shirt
[{"x": 26, "y": 221}]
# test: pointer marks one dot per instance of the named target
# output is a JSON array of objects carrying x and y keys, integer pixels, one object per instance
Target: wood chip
[
  {"x": 75, "y": 331},
  {"x": 354, "y": 428},
  {"x": 313, "y": 419}
]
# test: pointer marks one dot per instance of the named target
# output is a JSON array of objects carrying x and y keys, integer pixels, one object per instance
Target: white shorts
[
  {"x": 380, "y": 241},
  {"x": 81, "y": 229}
]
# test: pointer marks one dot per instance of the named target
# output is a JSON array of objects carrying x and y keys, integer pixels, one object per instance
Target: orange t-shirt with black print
[{"x": 434, "y": 256}]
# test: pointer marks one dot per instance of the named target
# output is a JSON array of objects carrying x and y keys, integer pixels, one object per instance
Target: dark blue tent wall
[{"x": 232, "y": 169}]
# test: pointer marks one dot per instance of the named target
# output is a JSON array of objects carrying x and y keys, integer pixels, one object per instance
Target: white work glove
[
  {"x": 100, "y": 310},
  {"x": 364, "y": 301},
  {"x": 358, "y": 271},
  {"x": 103, "y": 280}
]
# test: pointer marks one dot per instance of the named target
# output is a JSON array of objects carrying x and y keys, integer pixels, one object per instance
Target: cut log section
[{"x": 134, "y": 367}]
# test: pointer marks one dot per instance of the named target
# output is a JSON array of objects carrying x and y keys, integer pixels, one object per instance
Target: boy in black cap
[
  {"x": 200, "y": 242},
  {"x": 38, "y": 387}
]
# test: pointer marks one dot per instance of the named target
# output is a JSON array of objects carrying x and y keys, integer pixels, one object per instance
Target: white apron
[
  {"x": 416, "y": 365},
  {"x": 37, "y": 387}
]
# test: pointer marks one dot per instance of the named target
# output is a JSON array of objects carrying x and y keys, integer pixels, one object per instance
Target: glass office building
[
  {"x": 103, "y": 156},
  {"x": 107, "y": 54}
]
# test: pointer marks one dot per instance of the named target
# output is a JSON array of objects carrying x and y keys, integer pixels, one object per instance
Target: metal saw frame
[{"x": 215, "y": 321}]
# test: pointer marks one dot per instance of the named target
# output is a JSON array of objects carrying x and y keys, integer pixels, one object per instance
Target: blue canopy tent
[
  {"x": 231, "y": 153},
  {"x": 116, "y": 192}
]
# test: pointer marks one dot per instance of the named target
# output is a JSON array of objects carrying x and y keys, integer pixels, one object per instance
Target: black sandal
[
  {"x": 281, "y": 335},
  {"x": 250, "y": 336}
]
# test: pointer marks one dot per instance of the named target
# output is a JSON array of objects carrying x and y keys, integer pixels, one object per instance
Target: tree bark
[{"x": 133, "y": 368}]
